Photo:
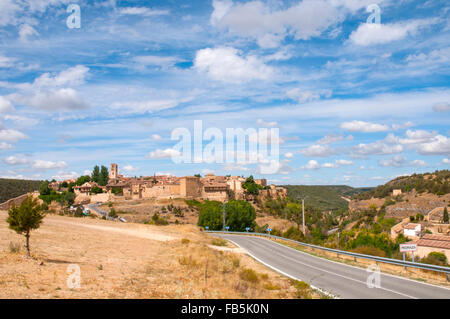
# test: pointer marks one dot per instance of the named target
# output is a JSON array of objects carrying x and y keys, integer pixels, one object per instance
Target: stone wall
[{"x": 16, "y": 201}]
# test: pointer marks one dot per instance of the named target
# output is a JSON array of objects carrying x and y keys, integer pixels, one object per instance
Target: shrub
[
  {"x": 236, "y": 262},
  {"x": 113, "y": 213},
  {"x": 249, "y": 275},
  {"x": 219, "y": 242},
  {"x": 367, "y": 250},
  {"x": 435, "y": 258},
  {"x": 185, "y": 241},
  {"x": 303, "y": 289},
  {"x": 14, "y": 247},
  {"x": 158, "y": 220}
]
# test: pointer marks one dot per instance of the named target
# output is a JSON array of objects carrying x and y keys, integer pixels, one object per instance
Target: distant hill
[
  {"x": 10, "y": 188},
  {"x": 437, "y": 183},
  {"x": 324, "y": 197}
]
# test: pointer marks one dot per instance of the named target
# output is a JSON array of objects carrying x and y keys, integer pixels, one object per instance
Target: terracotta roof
[
  {"x": 411, "y": 226},
  {"x": 435, "y": 241}
]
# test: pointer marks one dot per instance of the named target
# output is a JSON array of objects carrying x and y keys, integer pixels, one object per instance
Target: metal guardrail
[{"x": 398, "y": 262}]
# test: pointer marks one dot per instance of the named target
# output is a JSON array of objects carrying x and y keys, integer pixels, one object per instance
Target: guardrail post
[
  {"x": 354, "y": 259},
  {"x": 448, "y": 276}
]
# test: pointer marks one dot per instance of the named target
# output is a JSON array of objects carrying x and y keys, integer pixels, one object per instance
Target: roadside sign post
[
  {"x": 269, "y": 230},
  {"x": 408, "y": 248},
  {"x": 227, "y": 227},
  {"x": 207, "y": 227},
  {"x": 247, "y": 229}
]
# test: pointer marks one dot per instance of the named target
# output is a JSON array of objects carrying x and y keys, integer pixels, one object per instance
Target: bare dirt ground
[{"x": 131, "y": 261}]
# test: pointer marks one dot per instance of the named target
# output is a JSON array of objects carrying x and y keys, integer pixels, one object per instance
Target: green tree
[
  {"x": 96, "y": 190},
  {"x": 104, "y": 176},
  {"x": 25, "y": 218},
  {"x": 239, "y": 215},
  {"x": 44, "y": 189},
  {"x": 210, "y": 215},
  {"x": 83, "y": 179},
  {"x": 445, "y": 215},
  {"x": 295, "y": 213},
  {"x": 96, "y": 174}
]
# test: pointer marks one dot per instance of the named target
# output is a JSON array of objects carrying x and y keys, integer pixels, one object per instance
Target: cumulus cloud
[
  {"x": 167, "y": 153},
  {"x": 10, "y": 135},
  {"x": 337, "y": 163},
  {"x": 61, "y": 99},
  {"x": 395, "y": 161},
  {"x": 424, "y": 142},
  {"x": 5, "y": 146},
  {"x": 45, "y": 165},
  {"x": 16, "y": 160},
  {"x": 361, "y": 126},
  {"x": 235, "y": 167},
  {"x": 375, "y": 148},
  {"x": 446, "y": 161},
  {"x": 318, "y": 151},
  {"x": 256, "y": 20},
  {"x": 288, "y": 155},
  {"x": 333, "y": 138},
  {"x": 26, "y": 31},
  {"x": 61, "y": 175},
  {"x": 5, "y": 105},
  {"x": 311, "y": 165},
  {"x": 229, "y": 65},
  {"x": 373, "y": 34}
]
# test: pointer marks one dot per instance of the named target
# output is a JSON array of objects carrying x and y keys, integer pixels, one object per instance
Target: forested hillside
[
  {"x": 437, "y": 183},
  {"x": 324, "y": 197},
  {"x": 10, "y": 188}
]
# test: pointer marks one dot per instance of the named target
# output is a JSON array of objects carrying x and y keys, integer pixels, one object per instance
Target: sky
[{"x": 354, "y": 102}]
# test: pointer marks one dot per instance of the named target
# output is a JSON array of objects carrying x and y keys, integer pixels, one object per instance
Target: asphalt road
[{"x": 340, "y": 280}]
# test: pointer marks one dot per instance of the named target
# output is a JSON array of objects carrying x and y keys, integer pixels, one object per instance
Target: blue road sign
[
  {"x": 227, "y": 227},
  {"x": 206, "y": 227},
  {"x": 269, "y": 229},
  {"x": 247, "y": 228}
]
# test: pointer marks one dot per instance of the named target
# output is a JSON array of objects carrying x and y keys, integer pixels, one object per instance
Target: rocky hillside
[{"x": 421, "y": 193}]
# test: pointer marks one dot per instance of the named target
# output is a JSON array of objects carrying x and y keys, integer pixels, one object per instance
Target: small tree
[
  {"x": 445, "y": 215},
  {"x": 25, "y": 218}
]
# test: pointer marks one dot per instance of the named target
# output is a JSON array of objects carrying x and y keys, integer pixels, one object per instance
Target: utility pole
[{"x": 303, "y": 215}]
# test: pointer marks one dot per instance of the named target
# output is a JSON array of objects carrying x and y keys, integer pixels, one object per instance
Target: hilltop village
[{"x": 209, "y": 187}]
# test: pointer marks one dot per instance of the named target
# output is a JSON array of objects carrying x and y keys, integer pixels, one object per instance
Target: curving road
[{"x": 340, "y": 280}]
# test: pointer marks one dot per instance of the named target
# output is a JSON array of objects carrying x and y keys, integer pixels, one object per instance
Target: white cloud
[
  {"x": 155, "y": 60},
  {"x": 361, "y": 126},
  {"x": 5, "y": 146},
  {"x": 318, "y": 151},
  {"x": 16, "y": 160},
  {"x": 266, "y": 124},
  {"x": 254, "y": 19},
  {"x": 289, "y": 155},
  {"x": 21, "y": 121},
  {"x": 312, "y": 165},
  {"x": 375, "y": 148},
  {"x": 441, "y": 107},
  {"x": 395, "y": 161},
  {"x": 8, "y": 12},
  {"x": 61, "y": 176},
  {"x": 5, "y": 105},
  {"x": 130, "y": 168},
  {"x": 26, "y": 31},
  {"x": 73, "y": 76},
  {"x": 337, "y": 163},
  {"x": 228, "y": 65},
  {"x": 10, "y": 135},
  {"x": 307, "y": 95},
  {"x": 424, "y": 142},
  {"x": 373, "y": 34},
  {"x": 60, "y": 99},
  {"x": 156, "y": 137},
  {"x": 148, "y": 105},
  {"x": 44, "y": 165},
  {"x": 143, "y": 11},
  {"x": 446, "y": 161},
  {"x": 235, "y": 167},
  {"x": 167, "y": 153},
  {"x": 332, "y": 138},
  {"x": 418, "y": 163}
]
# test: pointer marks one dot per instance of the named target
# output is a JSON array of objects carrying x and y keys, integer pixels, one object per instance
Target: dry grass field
[{"x": 132, "y": 261}]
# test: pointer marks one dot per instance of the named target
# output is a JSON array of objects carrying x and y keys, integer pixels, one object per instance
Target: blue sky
[{"x": 355, "y": 104}]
